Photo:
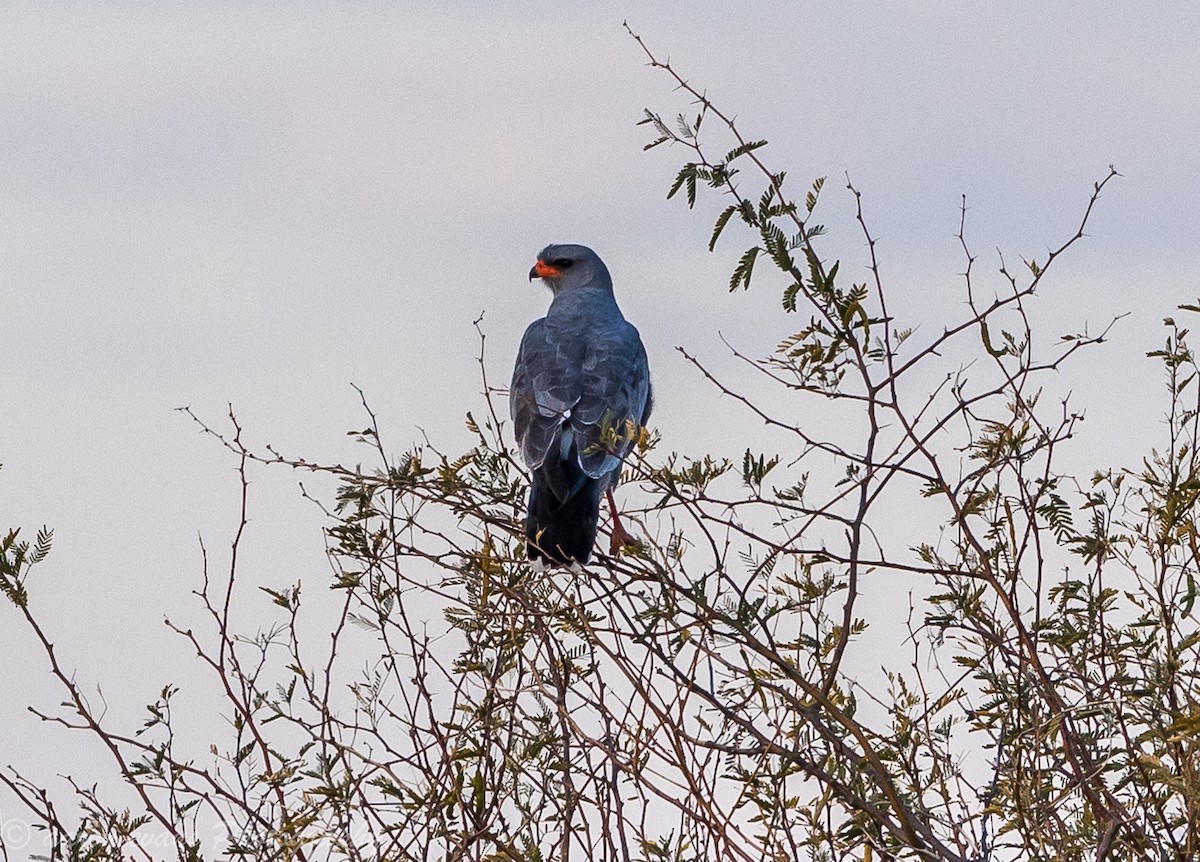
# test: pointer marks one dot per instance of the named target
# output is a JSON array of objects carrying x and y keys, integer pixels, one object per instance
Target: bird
[{"x": 579, "y": 399}]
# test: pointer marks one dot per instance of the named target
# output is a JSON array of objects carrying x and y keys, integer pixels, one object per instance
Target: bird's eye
[{"x": 561, "y": 263}]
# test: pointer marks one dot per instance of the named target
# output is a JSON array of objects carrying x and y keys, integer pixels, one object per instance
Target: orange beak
[{"x": 541, "y": 269}]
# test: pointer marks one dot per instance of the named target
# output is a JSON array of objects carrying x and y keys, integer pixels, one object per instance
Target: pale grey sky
[{"x": 262, "y": 203}]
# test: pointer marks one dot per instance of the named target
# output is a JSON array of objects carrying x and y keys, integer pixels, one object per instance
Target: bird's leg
[{"x": 620, "y": 536}]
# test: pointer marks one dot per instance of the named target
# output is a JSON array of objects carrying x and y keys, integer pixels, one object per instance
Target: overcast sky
[{"x": 260, "y": 204}]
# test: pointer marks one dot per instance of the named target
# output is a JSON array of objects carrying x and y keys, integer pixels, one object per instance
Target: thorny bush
[{"x": 713, "y": 694}]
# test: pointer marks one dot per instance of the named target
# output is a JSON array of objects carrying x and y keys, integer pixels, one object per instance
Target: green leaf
[
  {"x": 741, "y": 150},
  {"x": 688, "y": 170},
  {"x": 810, "y": 199},
  {"x": 744, "y": 269},
  {"x": 41, "y": 547},
  {"x": 776, "y": 243},
  {"x": 722, "y": 220},
  {"x": 754, "y": 469},
  {"x": 789, "y": 296},
  {"x": 1189, "y": 598}
]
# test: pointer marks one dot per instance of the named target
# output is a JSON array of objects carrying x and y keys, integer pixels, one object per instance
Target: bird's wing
[
  {"x": 599, "y": 387},
  {"x": 614, "y": 401},
  {"x": 547, "y": 384}
]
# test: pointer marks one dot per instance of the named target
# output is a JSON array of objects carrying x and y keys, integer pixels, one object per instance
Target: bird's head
[{"x": 562, "y": 267}]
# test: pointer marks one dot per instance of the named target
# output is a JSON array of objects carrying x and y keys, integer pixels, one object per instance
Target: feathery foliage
[{"x": 722, "y": 690}]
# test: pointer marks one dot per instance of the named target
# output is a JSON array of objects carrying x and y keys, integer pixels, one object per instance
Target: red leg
[{"x": 620, "y": 537}]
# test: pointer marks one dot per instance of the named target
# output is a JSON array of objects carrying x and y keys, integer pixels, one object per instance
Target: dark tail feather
[{"x": 557, "y": 530}]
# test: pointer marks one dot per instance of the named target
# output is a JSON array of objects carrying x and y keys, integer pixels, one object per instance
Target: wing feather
[
  {"x": 598, "y": 385},
  {"x": 612, "y": 404}
]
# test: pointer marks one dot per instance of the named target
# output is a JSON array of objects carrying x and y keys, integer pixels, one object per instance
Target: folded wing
[{"x": 578, "y": 404}]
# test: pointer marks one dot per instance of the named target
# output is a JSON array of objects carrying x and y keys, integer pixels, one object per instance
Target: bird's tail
[{"x": 564, "y": 511}]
